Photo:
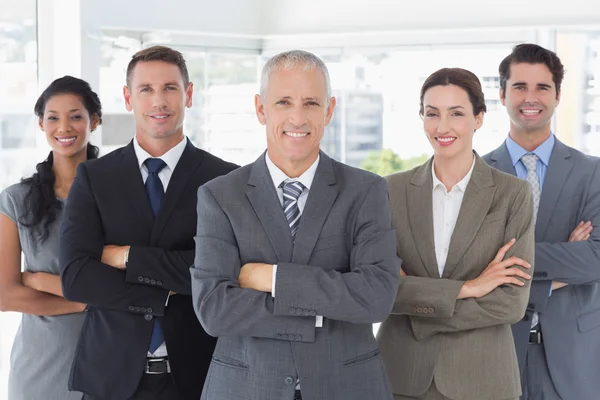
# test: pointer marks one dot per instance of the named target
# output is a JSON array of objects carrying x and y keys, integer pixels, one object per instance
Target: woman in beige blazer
[{"x": 466, "y": 239}]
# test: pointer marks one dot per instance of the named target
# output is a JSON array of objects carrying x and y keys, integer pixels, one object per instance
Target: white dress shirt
[
  {"x": 446, "y": 205},
  {"x": 171, "y": 158},
  {"x": 306, "y": 179}
]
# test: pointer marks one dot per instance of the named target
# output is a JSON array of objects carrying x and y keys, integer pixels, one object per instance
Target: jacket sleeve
[
  {"x": 504, "y": 305},
  {"x": 574, "y": 263},
  {"x": 222, "y": 306},
  {"x": 84, "y": 277},
  {"x": 154, "y": 266}
]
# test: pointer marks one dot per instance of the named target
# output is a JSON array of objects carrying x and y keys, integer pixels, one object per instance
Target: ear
[
  {"x": 94, "y": 122},
  {"x": 479, "y": 120},
  {"x": 127, "y": 97},
  {"x": 330, "y": 108},
  {"x": 261, "y": 113},
  {"x": 502, "y": 99},
  {"x": 558, "y": 98},
  {"x": 40, "y": 124},
  {"x": 189, "y": 93}
]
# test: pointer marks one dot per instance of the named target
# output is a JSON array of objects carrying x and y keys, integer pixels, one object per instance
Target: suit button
[
  {"x": 285, "y": 337},
  {"x": 425, "y": 310},
  {"x": 292, "y": 310},
  {"x": 414, "y": 309},
  {"x": 150, "y": 310},
  {"x": 289, "y": 380},
  {"x": 148, "y": 317},
  {"x": 138, "y": 309},
  {"x": 313, "y": 313},
  {"x": 544, "y": 274},
  {"x": 153, "y": 281},
  {"x": 159, "y": 283},
  {"x": 419, "y": 309},
  {"x": 526, "y": 317},
  {"x": 146, "y": 280},
  {"x": 143, "y": 309},
  {"x": 531, "y": 306},
  {"x": 131, "y": 308},
  {"x": 306, "y": 313},
  {"x": 298, "y": 337},
  {"x": 140, "y": 279},
  {"x": 431, "y": 310}
]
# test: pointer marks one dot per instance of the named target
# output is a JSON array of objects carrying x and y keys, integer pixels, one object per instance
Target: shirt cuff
[
  {"x": 319, "y": 321},
  {"x": 273, "y": 280},
  {"x": 550, "y": 294}
]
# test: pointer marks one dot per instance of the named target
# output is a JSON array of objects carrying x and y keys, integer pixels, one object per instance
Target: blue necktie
[{"x": 156, "y": 192}]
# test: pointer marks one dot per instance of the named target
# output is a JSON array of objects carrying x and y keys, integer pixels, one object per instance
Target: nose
[
  {"x": 159, "y": 100},
  {"x": 531, "y": 96},
  {"x": 443, "y": 126},
  {"x": 65, "y": 125},
  {"x": 297, "y": 116}
]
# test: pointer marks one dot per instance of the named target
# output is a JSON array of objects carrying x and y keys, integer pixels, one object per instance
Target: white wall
[
  {"x": 312, "y": 16},
  {"x": 237, "y": 17}
]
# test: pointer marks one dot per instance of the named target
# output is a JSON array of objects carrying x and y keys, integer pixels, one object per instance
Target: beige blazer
[{"x": 465, "y": 345}]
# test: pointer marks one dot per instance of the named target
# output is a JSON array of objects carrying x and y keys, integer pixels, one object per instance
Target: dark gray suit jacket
[
  {"x": 343, "y": 266},
  {"x": 570, "y": 317}
]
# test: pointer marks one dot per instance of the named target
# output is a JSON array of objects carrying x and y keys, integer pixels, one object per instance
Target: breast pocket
[{"x": 499, "y": 215}]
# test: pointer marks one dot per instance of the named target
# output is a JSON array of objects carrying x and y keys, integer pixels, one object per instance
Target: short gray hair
[{"x": 292, "y": 59}]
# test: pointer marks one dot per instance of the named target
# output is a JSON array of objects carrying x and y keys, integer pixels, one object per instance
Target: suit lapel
[
  {"x": 501, "y": 160},
  {"x": 419, "y": 197},
  {"x": 320, "y": 199},
  {"x": 475, "y": 206},
  {"x": 263, "y": 198},
  {"x": 183, "y": 173},
  {"x": 130, "y": 180},
  {"x": 559, "y": 168}
]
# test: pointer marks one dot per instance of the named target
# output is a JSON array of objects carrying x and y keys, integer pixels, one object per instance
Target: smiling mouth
[
  {"x": 530, "y": 112},
  {"x": 66, "y": 139},
  {"x": 445, "y": 139},
  {"x": 296, "y": 134},
  {"x": 161, "y": 116}
]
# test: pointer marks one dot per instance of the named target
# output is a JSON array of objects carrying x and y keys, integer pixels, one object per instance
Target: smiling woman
[{"x": 30, "y": 213}]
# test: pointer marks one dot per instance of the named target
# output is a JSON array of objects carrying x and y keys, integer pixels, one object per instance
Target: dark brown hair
[
  {"x": 530, "y": 53},
  {"x": 462, "y": 78},
  {"x": 159, "y": 53}
]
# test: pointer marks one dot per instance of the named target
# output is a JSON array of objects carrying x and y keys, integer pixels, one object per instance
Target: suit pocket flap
[
  {"x": 495, "y": 216},
  {"x": 588, "y": 321},
  {"x": 362, "y": 358}
]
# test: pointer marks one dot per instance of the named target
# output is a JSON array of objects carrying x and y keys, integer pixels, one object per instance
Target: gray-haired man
[{"x": 295, "y": 257}]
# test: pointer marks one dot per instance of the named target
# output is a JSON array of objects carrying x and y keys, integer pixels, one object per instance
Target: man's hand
[
  {"x": 581, "y": 232},
  {"x": 114, "y": 256},
  {"x": 497, "y": 273},
  {"x": 402, "y": 273},
  {"x": 257, "y": 276}
]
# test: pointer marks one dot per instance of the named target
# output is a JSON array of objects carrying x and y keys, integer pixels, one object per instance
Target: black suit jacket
[{"x": 107, "y": 205}]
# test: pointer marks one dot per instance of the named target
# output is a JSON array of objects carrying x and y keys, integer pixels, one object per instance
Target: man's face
[
  {"x": 158, "y": 97},
  {"x": 295, "y": 112},
  {"x": 530, "y": 97}
]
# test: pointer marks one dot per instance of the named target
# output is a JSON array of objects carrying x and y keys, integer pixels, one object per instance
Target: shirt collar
[
  {"x": 462, "y": 185},
  {"x": 543, "y": 151},
  {"x": 279, "y": 176},
  {"x": 171, "y": 157}
]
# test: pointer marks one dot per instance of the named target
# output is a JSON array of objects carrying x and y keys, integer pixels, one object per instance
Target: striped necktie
[{"x": 291, "y": 193}]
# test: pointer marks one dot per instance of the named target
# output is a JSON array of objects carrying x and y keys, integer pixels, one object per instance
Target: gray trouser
[{"x": 536, "y": 381}]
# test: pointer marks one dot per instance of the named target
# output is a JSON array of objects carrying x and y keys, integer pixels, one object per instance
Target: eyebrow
[
  {"x": 449, "y": 108},
  {"x": 542, "y": 85},
  {"x": 303, "y": 99},
  {"x": 73, "y": 110},
  {"x": 171, "y": 83}
]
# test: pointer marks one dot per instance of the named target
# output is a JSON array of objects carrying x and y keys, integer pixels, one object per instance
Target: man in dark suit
[
  {"x": 127, "y": 246},
  {"x": 558, "y": 340}
]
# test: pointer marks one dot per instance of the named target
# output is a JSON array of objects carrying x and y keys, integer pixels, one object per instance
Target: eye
[
  {"x": 457, "y": 114},
  {"x": 519, "y": 88},
  {"x": 52, "y": 118},
  {"x": 312, "y": 104},
  {"x": 145, "y": 89},
  {"x": 283, "y": 102},
  {"x": 171, "y": 87},
  {"x": 76, "y": 117},
  {"x": 431, "y": 115}
]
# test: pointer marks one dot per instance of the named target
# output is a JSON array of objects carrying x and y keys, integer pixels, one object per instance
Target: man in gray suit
[
  {"x": 558, "y": 340},
  {"x": 295, "y": 257}
]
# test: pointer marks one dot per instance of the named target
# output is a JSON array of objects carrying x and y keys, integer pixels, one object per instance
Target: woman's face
[
  {"x": 449, "y": 122},
  {"x": 67, "y": 124}
]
